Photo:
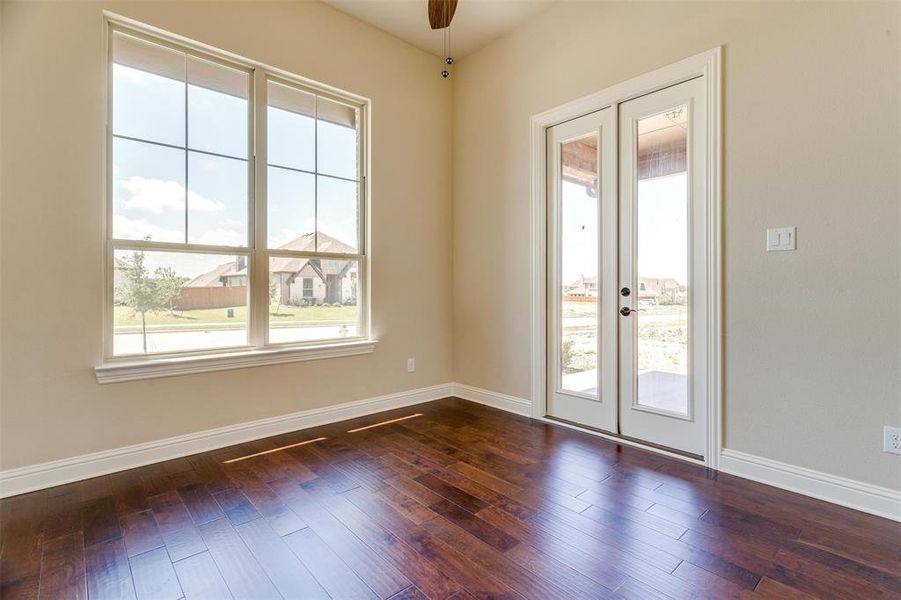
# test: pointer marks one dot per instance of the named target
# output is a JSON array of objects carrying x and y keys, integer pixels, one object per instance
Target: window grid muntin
[
  {"x": 296, "y": 170},
  {"x": 188, "y": 49},
  {"x": 360, "y": 112}
]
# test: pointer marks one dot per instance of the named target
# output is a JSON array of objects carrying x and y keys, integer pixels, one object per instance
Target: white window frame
[{"x": 258, "y": 350}]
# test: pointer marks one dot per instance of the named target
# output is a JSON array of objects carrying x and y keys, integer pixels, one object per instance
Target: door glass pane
[
  {"x": 662, "y": 261},
  {"x": 580, "y": 292}
]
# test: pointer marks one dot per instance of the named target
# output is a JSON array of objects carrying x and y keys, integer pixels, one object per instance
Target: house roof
[
  {"x": 304, "y": 243},
  {"x": 662, "y": 150},
  {"x": 668, "y": 282},
  {"x": 212, "y": 278},
  {"x": 327, "y": 243},
  {"x": 656, "y": 285}
]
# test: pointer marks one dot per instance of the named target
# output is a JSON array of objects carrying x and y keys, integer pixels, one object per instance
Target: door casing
[{"x": 706, "y": 65}]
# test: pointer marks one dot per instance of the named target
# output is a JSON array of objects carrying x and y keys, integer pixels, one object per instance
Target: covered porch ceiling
[{"x": 662, "y": 149}]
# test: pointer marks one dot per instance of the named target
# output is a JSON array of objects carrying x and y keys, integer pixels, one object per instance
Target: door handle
[{"x": 626, "y": 311}]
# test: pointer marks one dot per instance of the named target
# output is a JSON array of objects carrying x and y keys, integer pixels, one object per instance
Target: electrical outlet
[
  {"x": 891, "y": 440},
  {"x": 411, "y": 365}
]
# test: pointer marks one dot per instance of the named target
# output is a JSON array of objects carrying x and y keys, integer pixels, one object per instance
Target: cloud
[
  {"x": 186, "y": 264},
  {"x": 159, "y": 195},
  {"x": 133, "y": 229},
  {"x": 221, "y": 237}
]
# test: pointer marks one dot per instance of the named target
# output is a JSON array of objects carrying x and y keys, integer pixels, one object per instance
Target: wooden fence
[{"x": 193, "y": 298}]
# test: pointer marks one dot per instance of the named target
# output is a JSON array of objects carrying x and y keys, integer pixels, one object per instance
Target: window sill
[{"x": 115, "y": 372}]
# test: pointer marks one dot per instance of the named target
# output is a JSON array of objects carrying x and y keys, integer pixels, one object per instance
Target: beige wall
[
  {"x": 52, "y": 98},
  {"x": 811, "y": 110}
]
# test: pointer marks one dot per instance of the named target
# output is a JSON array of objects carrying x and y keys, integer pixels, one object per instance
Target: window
[
  {"x": 235, "y": 205},
  {"x": 313, "y": 233},
  {"x": 307, "y": 287}
]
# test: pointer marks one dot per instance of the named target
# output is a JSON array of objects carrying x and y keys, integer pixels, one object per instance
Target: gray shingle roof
[{"x": 304, "y": 243}]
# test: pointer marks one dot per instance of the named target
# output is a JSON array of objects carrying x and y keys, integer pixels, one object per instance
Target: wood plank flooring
[{"x": 461, "y": 502}]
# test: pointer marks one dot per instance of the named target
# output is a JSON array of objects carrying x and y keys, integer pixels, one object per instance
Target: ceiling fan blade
[{"x": 441, "y": 12}]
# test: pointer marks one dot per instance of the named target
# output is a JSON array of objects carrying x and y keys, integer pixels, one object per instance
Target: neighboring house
[
  {"x": 653, "y": 289},
  {"x": 300, "y": 280},
  {"x": 649, "y": 288},
  {"x": 585, "y": 286},
  {"x": 218, "y": 288}
]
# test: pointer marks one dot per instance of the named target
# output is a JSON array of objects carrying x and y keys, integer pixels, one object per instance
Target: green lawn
[{"x": 217, "y": 318}]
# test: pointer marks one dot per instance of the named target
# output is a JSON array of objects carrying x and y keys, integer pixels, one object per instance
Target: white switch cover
[
  {"x": 411, "y": 365},
  {"x": 780, "y": 239}
]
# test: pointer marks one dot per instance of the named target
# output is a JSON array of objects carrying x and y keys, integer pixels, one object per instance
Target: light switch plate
[{"x": 780, "y": 239}]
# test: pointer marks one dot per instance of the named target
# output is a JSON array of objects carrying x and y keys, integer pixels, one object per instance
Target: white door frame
[{"x": 706, "y": 64}]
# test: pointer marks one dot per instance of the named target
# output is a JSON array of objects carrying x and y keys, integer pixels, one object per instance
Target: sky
[
  {"x": 149, "y": 180},
  {"x": 662, "y": 230}
]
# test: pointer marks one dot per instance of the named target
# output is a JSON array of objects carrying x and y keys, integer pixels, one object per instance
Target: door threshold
[{"x": 696, "y": 459}]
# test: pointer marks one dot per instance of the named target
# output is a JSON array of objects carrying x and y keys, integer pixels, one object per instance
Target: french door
[
  {"x": 581, "y": 267},
  {"x": 628, "y": 269}
]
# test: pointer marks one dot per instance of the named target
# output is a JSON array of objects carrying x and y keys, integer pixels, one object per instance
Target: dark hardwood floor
[{"x": 461, "y": 502}]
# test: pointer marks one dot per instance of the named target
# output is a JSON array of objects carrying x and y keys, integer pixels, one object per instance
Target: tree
[
  {"x": 275, "y": 294},
  {"x": 567, "y": 354},
  {"x": 139, "y": 291},
  {"x": 353, "y": 288},
  {"x": 170, "y": 285}
]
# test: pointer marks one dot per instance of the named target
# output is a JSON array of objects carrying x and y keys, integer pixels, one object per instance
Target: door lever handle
[{"x": 626, "y": 311}]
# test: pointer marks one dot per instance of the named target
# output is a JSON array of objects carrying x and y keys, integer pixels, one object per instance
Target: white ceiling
[{"x": 475, "y": 23}]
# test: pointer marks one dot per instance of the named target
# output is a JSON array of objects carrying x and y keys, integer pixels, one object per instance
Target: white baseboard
[
  {"x": 861, "y": 496},
  {"x": 520, "y": 406},
  {"x": 58, "y": 472},
  {"x": 865, "y": 497}
]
